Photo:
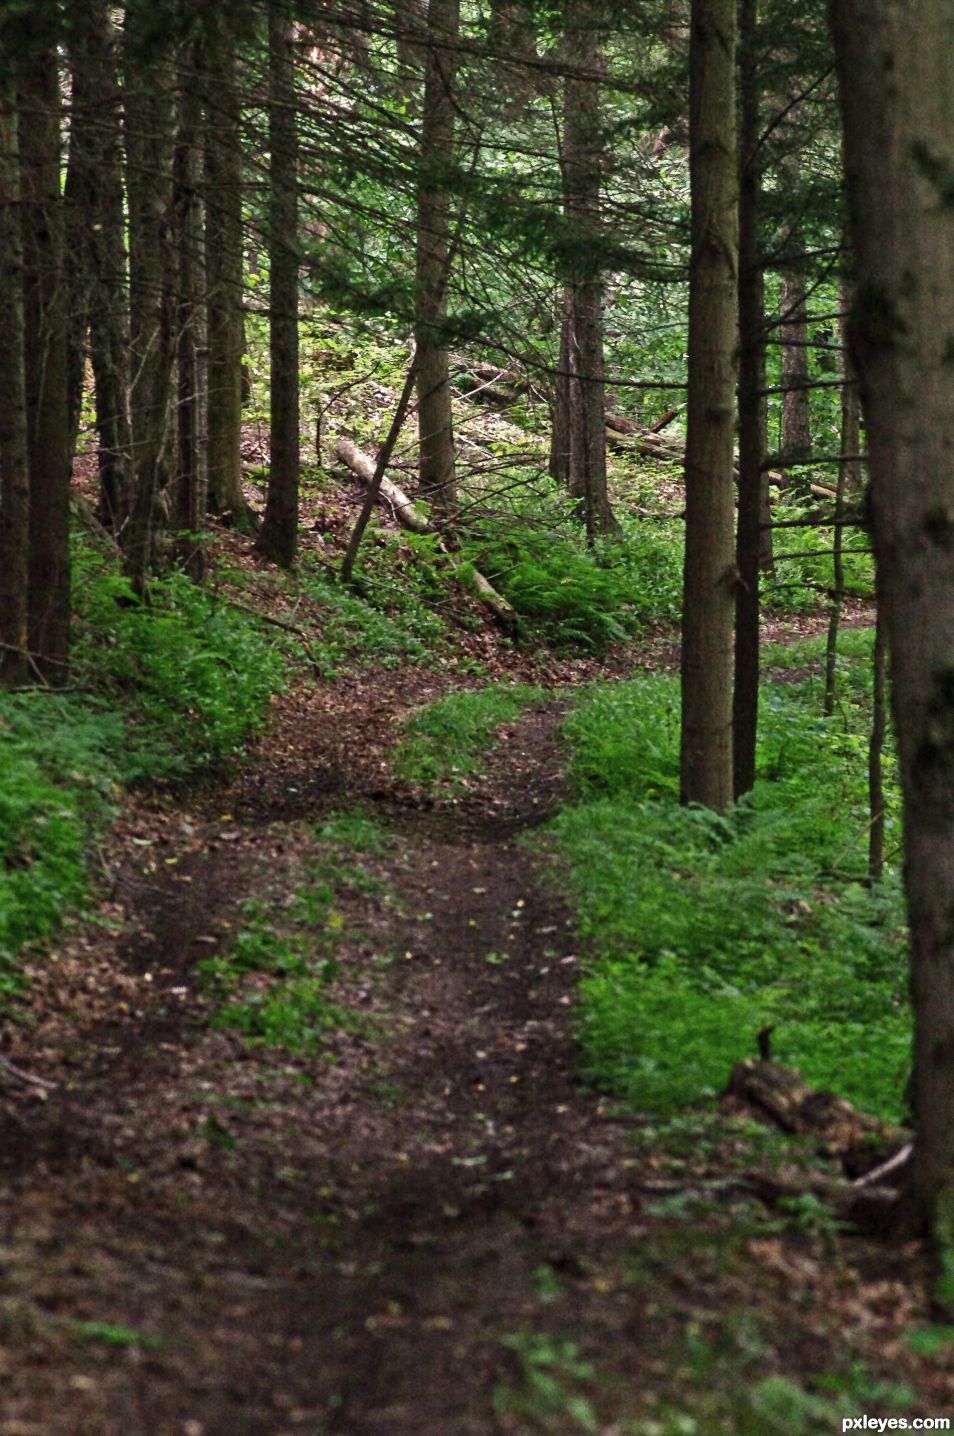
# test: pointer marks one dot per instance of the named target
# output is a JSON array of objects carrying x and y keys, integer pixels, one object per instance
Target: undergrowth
[
  {"x": 707, "y": 928},
  {"x": 392, "y": 619},
  {"x": 446, "y": 740}
]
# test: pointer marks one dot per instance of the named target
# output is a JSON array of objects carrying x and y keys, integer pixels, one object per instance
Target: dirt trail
[
  {"x": 426, "y": 1229},
  {"x": 310, "y": 1245}
]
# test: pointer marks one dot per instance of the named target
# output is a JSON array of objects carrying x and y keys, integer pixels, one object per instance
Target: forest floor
[{"x": 427, "y": 1226}]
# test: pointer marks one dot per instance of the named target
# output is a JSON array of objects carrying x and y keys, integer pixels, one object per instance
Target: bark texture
[
  {"x": 752, "y": 412},
  {"x": 582, "y": 346},
  {"x": 191, "y": 480},
  {"x": 895, "y": 63},
  {"x": 435, "y": 417},
  {"x": 96, "y": 243},
  {"x": 710, "y": 573},
  {"x": 796, "y": 406},
  {"x": 45, "y": 320},
  {"x": 149, "y": 116},
  {"x": 278, "y": 539},
  {"x": 224, "y": 238},
  {"x": 14, "y": 457}
]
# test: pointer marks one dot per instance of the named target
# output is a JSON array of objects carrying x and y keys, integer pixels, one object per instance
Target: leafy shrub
[
  {"x": 56, "y": 759},
  {"x": 705, "y": 928},
  {"x": 564, "y": 593},
  {"x": 168, "y": 687},
  {"x": 193, "y": 675},
  {"x": 392, "y": 621}
]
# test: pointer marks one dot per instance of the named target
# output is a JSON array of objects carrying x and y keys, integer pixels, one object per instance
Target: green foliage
[
  {"x": 192, "y": 675},
  {"x": 295, "y": 1015},
  {"x": 446, "y": 739},
  {"x": 707, "y": 928},
  {"x": 723, "y": 1391},
  {"x": 801, "y": 583},
  {"x": 57, "y": 757},
  {"x": 565, "y": 593},
  {"x": 165, "y": 688},
  {"x": 392, "y": 621},
  {"x": 551, "y": 1372},
  {"x": 111, "y": 1333},
  {"x": 354, "y": 831}
]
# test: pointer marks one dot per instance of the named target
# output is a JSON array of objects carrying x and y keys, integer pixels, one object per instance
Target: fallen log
[
  {"x": 405, "y": 511},
  {"x": 410, "y": 517},
  {"x": 873, "y": 1155},
  {"x": 781, "y": 1095}
]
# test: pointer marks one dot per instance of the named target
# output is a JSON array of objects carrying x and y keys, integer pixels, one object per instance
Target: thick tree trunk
[
  {"x": 752, "y": 412},
  {"x": 149, "y": 149},
  {"x": 710, "y": 575},
  {"x": 583, "y": 316},
  {"x": 14, "y": 456},
  {"x": 435, "y": 417},
  {"x": 895, "y": 63},
  {"x": 45, "y": 319},
  {"x": 223, "y": 248},
  {"x": 278, "y": 539}
]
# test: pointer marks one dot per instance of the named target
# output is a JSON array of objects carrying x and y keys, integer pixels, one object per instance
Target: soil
[{"x": 429, "y": 1227}]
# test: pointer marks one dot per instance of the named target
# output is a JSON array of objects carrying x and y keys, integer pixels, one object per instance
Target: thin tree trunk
[
  {"x": 438, "y": 483},
  {"x": 191, "y": 476},
  {"x": 895, "y": 63},
  {"x": 752, "y": 412},
  {"x": 850, "y": 409},
  {"x": 278, "y": 539},
  {"x": 14, "y": 456},
  {"x": 879, "y": 728},
  {"x": 849, "y": 446},
  {"x": 559, "y": 460},
  {"x": 710, "y": 574},
  {"x": 149, "y": 149},
  {"x": 223, "y": 247},
  {"x": 45, "y": 319},
  {"x": 97, "y": 240},
  {"x": 582, "y": 166},
  {"x": 796, "y": 406}
]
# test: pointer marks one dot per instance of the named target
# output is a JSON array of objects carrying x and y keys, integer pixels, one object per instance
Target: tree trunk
[
  {"x": 191, "y": 479},
  {"x": 14, "y": 457},
  {"x": 149, "y": 149},
  {"x": 278, "y": 539},
  {"x": 895, "y": 63},
  {"x": 559, "y": 460},
  {"x": 435, "y": 417},
  {"x": 583, "y": 304},
  {"x": 752, "y": 412},
  {"x": 223, "y": 249},
  {"x": 849, "y": 470},
  {"x": 796, "y": 406},
  {"x": 879, "y": 731},
  {"x": 710, "y": 575},
  {"x": 96, "y": 237},
  {"x": 45, "y": 319}
]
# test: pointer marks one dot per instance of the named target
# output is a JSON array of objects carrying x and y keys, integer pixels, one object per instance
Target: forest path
[
  {"x": 425, "y": 1226},
  {"x": 411, "y": 1231}
]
